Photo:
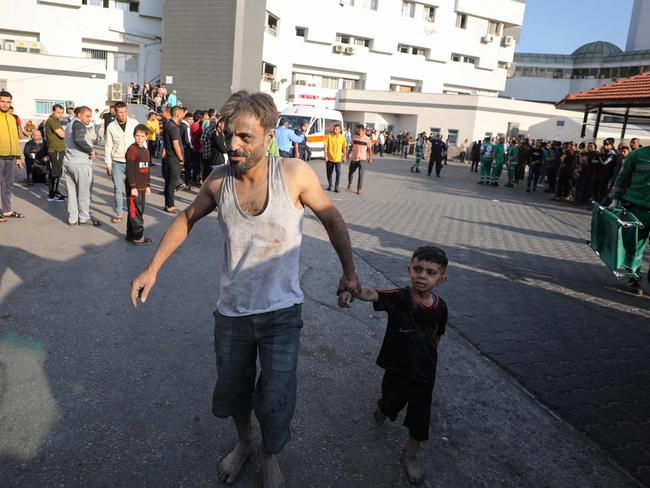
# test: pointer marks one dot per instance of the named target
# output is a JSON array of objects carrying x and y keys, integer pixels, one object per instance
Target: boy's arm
[{"x": 366, "y": 295}]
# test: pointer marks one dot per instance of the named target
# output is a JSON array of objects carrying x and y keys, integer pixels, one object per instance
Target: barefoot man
[{"x": 260, "y": 202}]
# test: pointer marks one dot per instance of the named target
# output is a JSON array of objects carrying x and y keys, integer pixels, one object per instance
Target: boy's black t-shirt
[
  {"x": 410, "y": 341},
  {"x": 137, "y": 168},
  {"x": 171, "y": 132}
]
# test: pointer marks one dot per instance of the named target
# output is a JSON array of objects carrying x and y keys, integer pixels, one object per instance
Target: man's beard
[{"x": 242, "y": 167}]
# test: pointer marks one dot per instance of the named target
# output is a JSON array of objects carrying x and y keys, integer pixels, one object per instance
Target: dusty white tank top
[{"x": 261, "y": 258}]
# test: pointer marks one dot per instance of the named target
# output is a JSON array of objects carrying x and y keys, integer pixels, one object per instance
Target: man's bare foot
[
  {"x": 271, "y": 472},
  {"x": 413, "y": 470},
  {"x": 231, "y": 465},
  {"x": 380, "y": 417}
]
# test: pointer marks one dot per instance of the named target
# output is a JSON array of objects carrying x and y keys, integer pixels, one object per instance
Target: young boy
[
  {"x": 416, "y": 322},
  {"x": 138, "y": 160}
]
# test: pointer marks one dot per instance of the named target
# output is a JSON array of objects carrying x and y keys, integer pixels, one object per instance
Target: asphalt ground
[{"x": 95, "y": 393}]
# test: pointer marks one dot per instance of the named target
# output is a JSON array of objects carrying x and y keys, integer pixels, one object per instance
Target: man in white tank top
[{"x": 260, "y": 201}]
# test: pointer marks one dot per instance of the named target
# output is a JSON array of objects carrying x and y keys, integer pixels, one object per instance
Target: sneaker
[
  {"x": 349, "y": 187},
  {"x": 329, "y": 188},
  {"x": 55, "y": 198},
  {"x": 417, "y": 170},
  {"x": 412, "y": 170},
  {"x": 481, "y": 183},
  {"x": 60, "y": 198},
  {"x": 336, "y": 190},
  {"x": 635, "y": 286}
]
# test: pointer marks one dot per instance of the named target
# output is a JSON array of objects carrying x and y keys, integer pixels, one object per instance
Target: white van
[{"x": 321, "y": 121}]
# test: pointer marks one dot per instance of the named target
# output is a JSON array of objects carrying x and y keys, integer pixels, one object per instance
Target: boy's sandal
[
  {"x": 14, "y": 215},
  {"x": 144, "y": 242},
  {"x": 117, "y": 219}
]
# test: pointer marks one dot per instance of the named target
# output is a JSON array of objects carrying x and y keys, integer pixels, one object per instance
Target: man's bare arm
[
  {"x": 175, "y": 235},
  {"x": 177, "y": 149},
  {"x": 313, "y": 196}
]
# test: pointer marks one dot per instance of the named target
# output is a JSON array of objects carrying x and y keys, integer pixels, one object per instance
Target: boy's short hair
[
  {"x": 431, "y": 254},
  {"x": 141, "y": 128}
]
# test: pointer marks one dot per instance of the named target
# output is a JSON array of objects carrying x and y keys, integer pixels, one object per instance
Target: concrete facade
[
  {"x": 638, "y": 37},
  {"x": 92, "y": 44},
  {"x": 385, "y": 45}
]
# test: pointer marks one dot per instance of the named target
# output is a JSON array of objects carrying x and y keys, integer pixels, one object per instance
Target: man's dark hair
[
  {"x": 5, "y": 93},
  {"x": 141, "y": 128},
  {"x": 198, "y": 114},
  {"x": 120, "y": 105},
  {"x": 335, "y": 126},
  {"x": 359, "y": 126},
  {"x": 188, "y": 114},
  {"x": 151, "y": 114},
  {"x": 57, "y": 106},
  {"x": 431, "y": 254},
  {"x": 81, "y": 109},
  {"x": 211, "y": 112},
  {"x": 260, "y": 105}
]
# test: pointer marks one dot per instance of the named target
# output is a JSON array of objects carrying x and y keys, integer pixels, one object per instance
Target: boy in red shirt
[
  {"x": 138, "y": 160},
  {"x": 360, "y": 150}
]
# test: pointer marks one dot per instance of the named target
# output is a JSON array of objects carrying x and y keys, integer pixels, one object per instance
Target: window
[
  {"x": 349, "y": 3},
  {"x": 494, "y": 28},
  {"x": 317, "y": 126},
  {"x": 434, "y": 130},
  {"x": 418, "y": 51},
  {"x": 329, "y": 125},
  {"x": 429, "y": 13},
  {"x": 127, "y": 63},
  {"x": 268, "y": 71},
  {"x": 370, "y": 4},
  {"x": 461, "y": 21},
  {"x": 357, "y": 41},
  {"x": 349, "y": 84},
  {"x": 301, "y": 32},
  {"x": 272, "y": 24},
  {"x": 44, "y": 107},
  {"x": 461, "y": 58},
  {"x": 95, "y": 53},
  {"x": 408, "y": 9},
  {"x": 452, "y": 136}
]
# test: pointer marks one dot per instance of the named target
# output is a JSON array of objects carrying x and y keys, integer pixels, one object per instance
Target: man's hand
[
  {"x": 350, "y": 284},
  {"x": 109, "y": 170},
  {"x": 19, "y": 163},
  {"x": 134, "y": 192},
  {"x": 614, "y": 204},
  {"x": 93, "y": 155},
  {"x": 141, "y": 286},
  {"x": 148, "y": 191}
]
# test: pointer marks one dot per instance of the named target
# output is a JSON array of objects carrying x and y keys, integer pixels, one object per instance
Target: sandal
[
  {"x": 144, "y": 242},
  {"x": 13, "y": 215},
  {"x": 117, "y": 219},
  {"x": 171, "y": 210}
]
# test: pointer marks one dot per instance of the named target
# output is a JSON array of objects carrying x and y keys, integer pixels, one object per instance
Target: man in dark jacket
[{"x": 35, "y": 152}]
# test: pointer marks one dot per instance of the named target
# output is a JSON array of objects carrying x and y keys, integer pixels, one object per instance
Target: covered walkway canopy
[{"x": 626, "y": 98}]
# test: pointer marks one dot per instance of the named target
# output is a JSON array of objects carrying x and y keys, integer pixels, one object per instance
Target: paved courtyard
[{"x": 544, "y": 377}]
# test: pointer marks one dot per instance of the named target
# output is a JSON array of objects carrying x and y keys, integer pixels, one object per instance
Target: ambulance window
[
  {"x": 329, "y": 125},
  {"x": 316, "y": 127}
]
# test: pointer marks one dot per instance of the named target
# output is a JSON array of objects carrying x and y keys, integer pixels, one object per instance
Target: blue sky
[{"x": 561, "y": 26}]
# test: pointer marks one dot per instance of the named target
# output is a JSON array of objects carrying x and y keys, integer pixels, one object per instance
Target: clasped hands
[{"x": 349, "y": 288}]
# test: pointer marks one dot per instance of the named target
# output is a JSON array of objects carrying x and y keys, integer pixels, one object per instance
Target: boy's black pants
[
  {"x": 398, "y": 391},
  {"x": 135, "y": 219}
]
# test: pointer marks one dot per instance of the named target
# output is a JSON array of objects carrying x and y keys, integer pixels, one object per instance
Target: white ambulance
[{"x": 321, "y": 121}]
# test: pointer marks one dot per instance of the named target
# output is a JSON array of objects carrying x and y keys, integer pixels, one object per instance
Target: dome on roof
[{"x": 598, "y": 49}]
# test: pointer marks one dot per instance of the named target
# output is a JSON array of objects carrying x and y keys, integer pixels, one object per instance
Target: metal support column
[
  {"x": 583, "y": 133},
  {"x": 625, "y": 119},
  {"x": 599, "y": 115}
]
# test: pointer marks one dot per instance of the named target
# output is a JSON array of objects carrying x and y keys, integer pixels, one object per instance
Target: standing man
[
  {"x": 260, "y": 202},
  {"x": 335, "y": 147},
  {"x": 153, "y": 125},
  {"x": 208, "y": 148},
  {"x": 487, "y": 158},
  {"x": 513, "y": 163},
  {"x": 419, "y": 151},
  {"x": 172, "y": 99},
  {"x": 359, "y": 151},
  {"x": 437, "y": 153},
  {"x": 118, "y": 138},
  {"x": 55, "y": 137},
  {"x": 285, "y": 138},
  {"x": 78, "y": 168},
  {"x": 108, "y": 116},
  {"x": 9, "y": 156},
  {"x": 172, "y": 156},
  {"x": 301, "y": 148},
  {"x": 196, "y": 130},
  {"x": 632, "y": 190},
  {"x": 635, "y": 143},
  {"x": 499, "y": 161}
]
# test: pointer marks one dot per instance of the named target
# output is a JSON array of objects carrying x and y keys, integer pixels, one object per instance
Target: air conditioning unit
[
  {"x": 339, "y": 48},
  {"x": 21, "y": 46},
  {"x": 35, "y": 47},
  {"x": 349, "y": 50},
  {"x": 487, "y": 39},
  {"x": 117, "y": 93},
  {"x": 508, "y": 41},
  {"x": 275, "y": 86}
]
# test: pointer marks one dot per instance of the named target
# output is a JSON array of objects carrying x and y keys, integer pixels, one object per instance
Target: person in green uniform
[
  {"x": 419, "y": 151},
  {"x": 499, "y": 160},
  {"x": 632, "y": 190},
  {"x": 487, "y": 157},
  {"x": 513, "y": 163}
]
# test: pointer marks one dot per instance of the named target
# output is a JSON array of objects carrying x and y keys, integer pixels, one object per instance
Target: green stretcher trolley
[{"x": 614, "y": 237}]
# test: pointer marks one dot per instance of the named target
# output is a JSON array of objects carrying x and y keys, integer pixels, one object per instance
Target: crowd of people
[{"x": 154, "y": 96}]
